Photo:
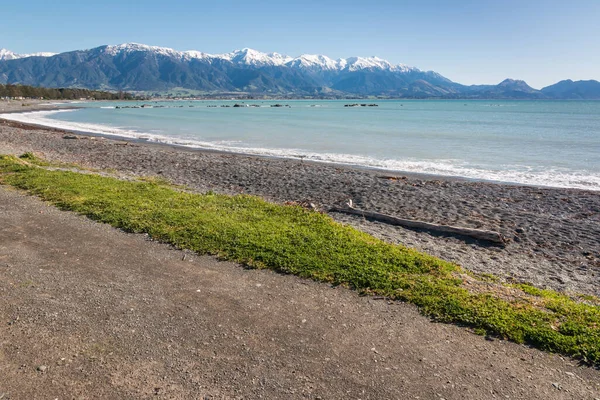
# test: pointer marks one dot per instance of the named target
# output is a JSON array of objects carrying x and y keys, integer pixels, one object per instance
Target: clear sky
[{"x": 468, "y": 41}]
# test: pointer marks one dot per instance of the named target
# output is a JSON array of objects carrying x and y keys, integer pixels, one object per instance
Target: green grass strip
[{"x": 293, "y": 240}]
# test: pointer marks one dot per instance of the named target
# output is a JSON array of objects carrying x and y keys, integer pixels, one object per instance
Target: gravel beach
[{"x": 553, "y": 234}]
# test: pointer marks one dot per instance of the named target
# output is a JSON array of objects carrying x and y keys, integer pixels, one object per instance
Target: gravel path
[{"x": 87, "y": 311}]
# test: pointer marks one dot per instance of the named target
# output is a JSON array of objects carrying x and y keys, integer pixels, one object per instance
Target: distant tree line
[{"x": 33, "y": 92}]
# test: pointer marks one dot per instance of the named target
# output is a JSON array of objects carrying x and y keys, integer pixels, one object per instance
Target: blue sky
[{"x": 468, "y": 41}]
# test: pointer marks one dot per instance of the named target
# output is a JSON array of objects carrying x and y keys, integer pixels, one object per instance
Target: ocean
[{"x": 547, "y": 143}]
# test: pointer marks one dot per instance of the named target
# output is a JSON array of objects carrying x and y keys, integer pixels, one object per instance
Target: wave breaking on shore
[{"x": 515, "y": 174}]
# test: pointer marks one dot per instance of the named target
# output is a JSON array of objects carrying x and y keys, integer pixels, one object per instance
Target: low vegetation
[
  {"x": 293, "y": 240},
  {"x": 34, "y": 92}
]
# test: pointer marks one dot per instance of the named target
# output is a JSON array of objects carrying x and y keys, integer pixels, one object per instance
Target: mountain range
[{"x": 138, "y": 67}]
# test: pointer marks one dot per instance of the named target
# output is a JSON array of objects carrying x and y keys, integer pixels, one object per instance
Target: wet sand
[{"x": 553, "y": 234}]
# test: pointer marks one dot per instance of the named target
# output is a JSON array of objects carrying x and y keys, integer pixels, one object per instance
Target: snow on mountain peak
[
  {"x": 279, "y": 59},
  {"x": 9, "y": 55},
  {"x": 404, "y": 68},
  {"x": 246, "y": 57},
  {"x": 254, "y": 58},
  {"x": 313, "y": 61},
  {"x": 135, "y": 47},
  {"x": 358, "y": 63},
  {"x": 40, "y": 54},
  {"x": 198, "y": 55},
  {"x": 127, "y": 48}
]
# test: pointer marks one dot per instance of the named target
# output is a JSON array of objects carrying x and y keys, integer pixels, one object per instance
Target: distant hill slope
[
  {"x": 568, "y": 89},
  {"x": 137, "y": 67}
]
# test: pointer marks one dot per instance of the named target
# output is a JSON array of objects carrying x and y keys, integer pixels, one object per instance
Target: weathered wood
[{"x": 480, "y": 234}]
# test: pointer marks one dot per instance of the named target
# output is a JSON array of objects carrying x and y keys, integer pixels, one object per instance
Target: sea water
[{"x": 549, "y": 143}]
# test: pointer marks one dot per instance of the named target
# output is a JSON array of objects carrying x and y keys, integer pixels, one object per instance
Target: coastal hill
[
  {"x": 574, "y": 90},
  {"x": 137, "y": 67}
]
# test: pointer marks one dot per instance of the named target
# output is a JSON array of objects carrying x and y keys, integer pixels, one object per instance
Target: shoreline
[
  {"x": 388, "y": 172},
  {"x": 193, "y": 148}
]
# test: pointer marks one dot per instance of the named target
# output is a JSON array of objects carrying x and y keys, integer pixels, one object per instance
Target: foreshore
[{"x": 552, "y": 233}]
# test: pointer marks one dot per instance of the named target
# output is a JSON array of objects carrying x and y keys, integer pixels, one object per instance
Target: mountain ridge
[
  {"x": 140, "y": 67},
  {"x": 251, "y": 57}
]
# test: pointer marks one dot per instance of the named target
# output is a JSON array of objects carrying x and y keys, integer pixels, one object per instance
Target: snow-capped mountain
[
  {"x": 313, "y": 61},
  {"x": 139, "y": 67},
  {"x": 39, "y": 54},
  {"x": 9, "y": 55},
  {"x": 128, "y": 48},
  {"x": 253, "y": 58},
  {"x": 134, "y": 66}
]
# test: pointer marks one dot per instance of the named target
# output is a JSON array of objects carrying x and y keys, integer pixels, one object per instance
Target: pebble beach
[{"x": 552, "y": 234}]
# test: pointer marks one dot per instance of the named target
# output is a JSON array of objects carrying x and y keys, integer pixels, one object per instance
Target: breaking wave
[{"x": 554, "y": 177}]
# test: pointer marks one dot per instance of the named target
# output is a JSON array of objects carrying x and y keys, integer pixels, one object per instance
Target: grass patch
[{"x": 297, "y": 241}]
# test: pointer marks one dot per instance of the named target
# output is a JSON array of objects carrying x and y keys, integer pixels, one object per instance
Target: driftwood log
[{"x": 480, "y": 234}]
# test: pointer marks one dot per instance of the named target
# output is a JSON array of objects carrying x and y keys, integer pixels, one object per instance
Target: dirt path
[{"x": 87, "y": 311}]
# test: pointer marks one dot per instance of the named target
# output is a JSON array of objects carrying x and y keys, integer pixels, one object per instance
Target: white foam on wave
[
  {"x": 41, "y": 118},
  {"x": 556, "y": 177},
  {"x": 560, "y": 178}
]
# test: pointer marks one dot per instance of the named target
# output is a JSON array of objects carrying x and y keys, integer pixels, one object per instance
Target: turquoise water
[{"x": 552, "y": 143}]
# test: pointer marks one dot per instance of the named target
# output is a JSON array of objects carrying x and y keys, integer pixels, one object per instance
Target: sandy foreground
[{"x": 90, "y": 312}]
